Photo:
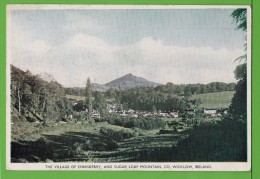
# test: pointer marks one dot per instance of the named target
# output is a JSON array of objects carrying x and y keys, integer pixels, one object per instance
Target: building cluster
[
  {"x": 113, "y": 108},
  {"x": 118, "y": 109},
  {"x": 213, "y": 112}
]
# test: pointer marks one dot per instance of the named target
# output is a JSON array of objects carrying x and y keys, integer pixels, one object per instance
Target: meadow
[{"x": 215, "y": 100}]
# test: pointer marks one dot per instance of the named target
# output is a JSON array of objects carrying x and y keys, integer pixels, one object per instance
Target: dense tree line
[
  {"x": 149, "y": 99},
  {"x": 140, "y": 98},
  {"x": 75, "y": 91},
  {"x": 191, "y": 89},
  {"x": 167, "y": 97},
  {"x": 177, "y": 89},
  {"x": 37, "y": 99}
]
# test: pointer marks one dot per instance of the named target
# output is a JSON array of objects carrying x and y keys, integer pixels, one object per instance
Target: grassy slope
[
  {"x": 66, "y": 137},
  {"x": 215, "y": 100}
]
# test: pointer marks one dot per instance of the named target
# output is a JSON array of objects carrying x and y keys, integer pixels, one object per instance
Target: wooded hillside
[{"x": 36, "y": 99}]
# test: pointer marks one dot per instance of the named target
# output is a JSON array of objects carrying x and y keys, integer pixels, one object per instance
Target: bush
[
  {"x": 166, "y": 131},
  {"x": 225, "y": 141},
  {"x": 93, "y": 145},
  {"x": 117, "y": 133},
  {"x": 146, "y": 123}
]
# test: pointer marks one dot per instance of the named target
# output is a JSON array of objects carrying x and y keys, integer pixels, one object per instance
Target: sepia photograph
[{"x": 128, "y": 87}]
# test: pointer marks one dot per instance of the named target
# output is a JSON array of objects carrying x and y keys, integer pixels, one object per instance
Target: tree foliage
[
  {"x": 240, "y": 18},
  {"x": 238, "y": 107},
  {"x": 89, "y": 97},
  {"x": 37, "y": 99},
  {"x": 99, "y": 103}
]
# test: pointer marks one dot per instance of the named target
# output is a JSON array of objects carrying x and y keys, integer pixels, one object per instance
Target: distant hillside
[
  {"x": 47, "y": 77},
  {"x": 99, "y": 87},
  {"x": 130, "y": 81},
  {"x": 80, "y": 91}
]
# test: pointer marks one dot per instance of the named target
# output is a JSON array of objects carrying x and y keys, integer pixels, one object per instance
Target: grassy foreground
[{"x": 98, "y": 142}]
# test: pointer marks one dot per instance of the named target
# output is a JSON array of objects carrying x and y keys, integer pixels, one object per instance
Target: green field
[
  {"x": 77, "y": 98},
  {"x": 215, "y": 100}
]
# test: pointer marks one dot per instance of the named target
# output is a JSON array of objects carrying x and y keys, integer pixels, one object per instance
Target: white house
[
  {"x": 95, "y": 115},
  {"x": 174, "y": 114},
  {"x": 134, "y": 115},
  {"x": 163, "y": 114},
  {"x": 131, "y": 111},
  {"x": 211, "y": 112}
]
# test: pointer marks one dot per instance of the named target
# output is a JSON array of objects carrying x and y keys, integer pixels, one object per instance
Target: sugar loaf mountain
[
  {"x": 130, "y": 81},
  {"x": 127, "y": 81}
]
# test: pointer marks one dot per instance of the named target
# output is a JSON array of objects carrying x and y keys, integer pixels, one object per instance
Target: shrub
[
  {"x": 117, "y": 133},
  {"x": 147, "y": 123},
  {"x": 225, "y": 141}
]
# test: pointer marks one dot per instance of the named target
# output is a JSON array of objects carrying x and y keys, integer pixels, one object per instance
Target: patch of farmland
[{"x": 215, "y": 100}]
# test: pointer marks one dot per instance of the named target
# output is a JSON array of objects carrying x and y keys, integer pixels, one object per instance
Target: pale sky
[{"x": 179, "y": 46}]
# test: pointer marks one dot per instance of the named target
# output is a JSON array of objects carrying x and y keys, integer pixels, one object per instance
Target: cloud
[
  {"x": 82, "y": 55},
  {"x": 39, "y": 47},
  {"x": 76, "y": 22}
]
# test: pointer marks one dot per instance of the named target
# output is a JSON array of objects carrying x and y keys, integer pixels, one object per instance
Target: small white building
[
  {"x": 174, "y": 114},
  {"x": 134, "y": 115},
  {"x": 131, "y": 111},
  {"x": 147, "y": 114},
  {"x": 211, "y": 112},
  {"x": 161, "y": 114},
  {"x": 122, "y": 113},
  {"x": 95, "y": 115}
]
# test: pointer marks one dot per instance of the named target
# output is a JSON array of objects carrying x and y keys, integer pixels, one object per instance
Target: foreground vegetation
[
  {"x": 89, "y": 143},
  {"x": 103, "y": 142}
]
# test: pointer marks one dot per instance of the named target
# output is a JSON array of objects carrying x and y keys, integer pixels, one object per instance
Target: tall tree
[
  {"x": 17, "y": 77},
  {"x": 100, "y": 103},
  {"x": 89, "y": 97},
  {"x": 238, "y": 107}
]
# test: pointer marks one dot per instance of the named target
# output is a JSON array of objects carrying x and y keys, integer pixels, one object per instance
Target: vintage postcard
[{"x": 128, "y": 87}]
